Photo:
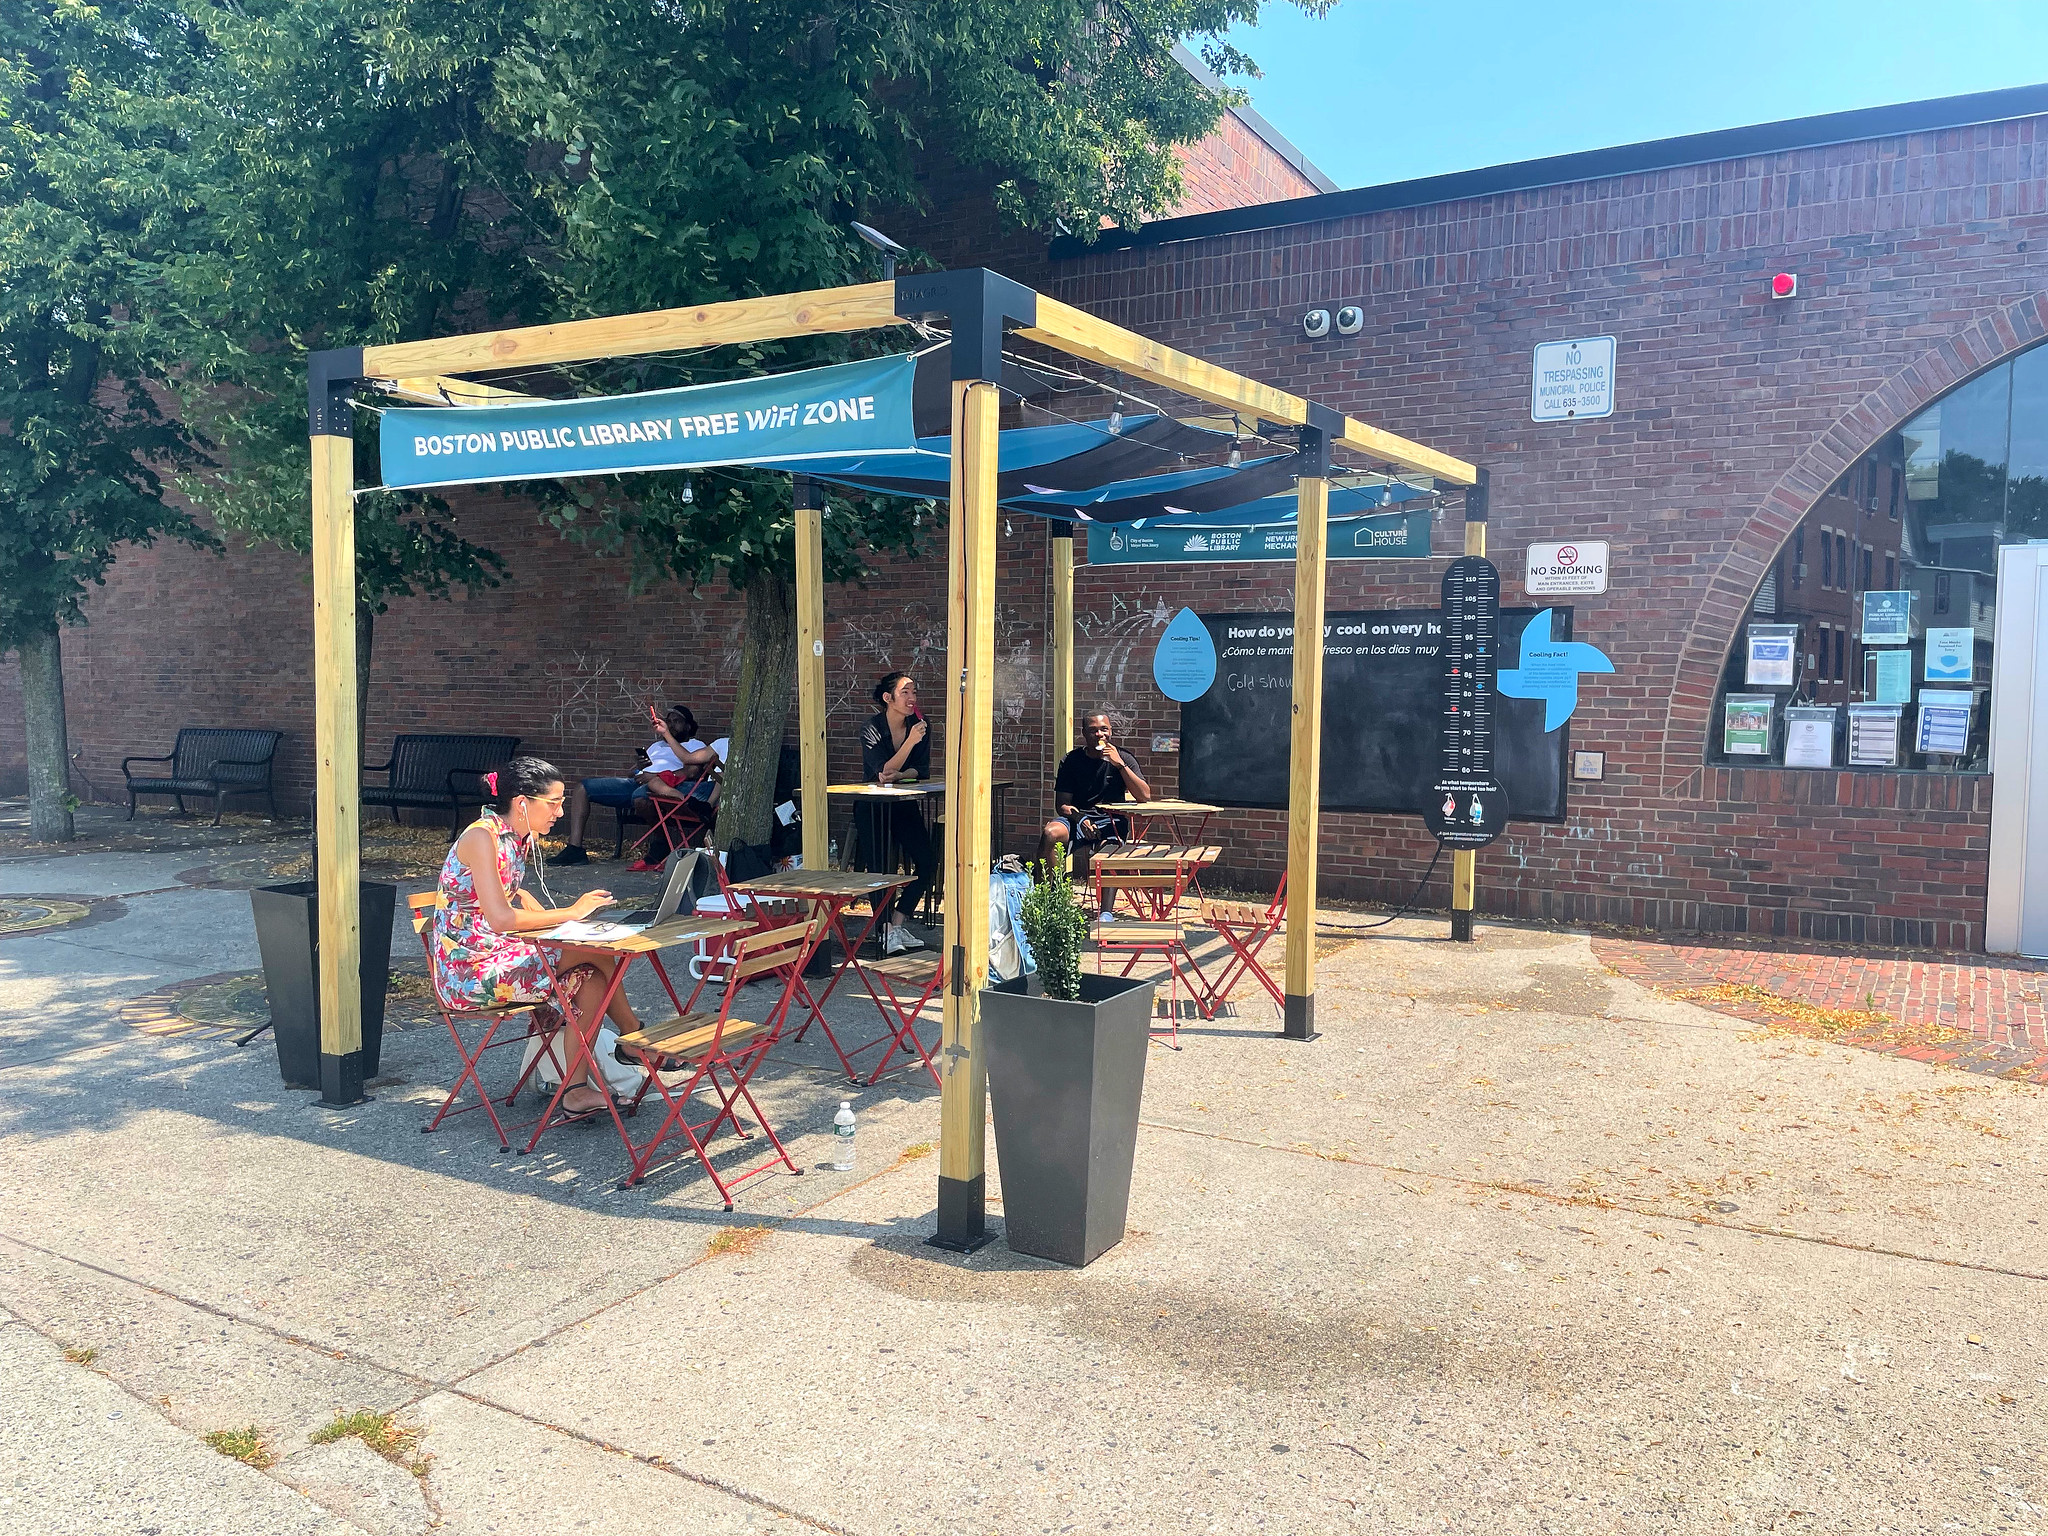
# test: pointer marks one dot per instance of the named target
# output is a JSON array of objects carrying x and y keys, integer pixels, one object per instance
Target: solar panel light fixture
[{"x": 889, "y": 248}]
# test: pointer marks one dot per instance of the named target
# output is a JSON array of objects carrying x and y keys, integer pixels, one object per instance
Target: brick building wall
[
  {"x": 1920, "y": 263},
  {"x": 1233, "y": 168}
]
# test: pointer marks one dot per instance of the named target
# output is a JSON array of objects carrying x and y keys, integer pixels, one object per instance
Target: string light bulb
[
  {"x": 1116, "y": 420},
  {"x": 1387, "y": 494},
  {"x": 1006, "y": 527},
  {"x": 1236, "y": 443},
  {"x": 689, "y": 491}
]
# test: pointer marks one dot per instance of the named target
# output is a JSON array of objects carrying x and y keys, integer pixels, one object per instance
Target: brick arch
[{"x": 1970, "y": 351}]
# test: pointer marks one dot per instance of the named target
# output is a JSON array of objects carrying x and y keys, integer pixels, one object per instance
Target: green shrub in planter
[{"x": 1056, "y": 926}]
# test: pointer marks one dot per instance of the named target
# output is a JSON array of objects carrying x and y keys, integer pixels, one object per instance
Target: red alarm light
[{"x": 1784, "y": 285}]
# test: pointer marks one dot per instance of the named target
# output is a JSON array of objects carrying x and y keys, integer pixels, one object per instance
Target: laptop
[{"x": 686, "y": 881}]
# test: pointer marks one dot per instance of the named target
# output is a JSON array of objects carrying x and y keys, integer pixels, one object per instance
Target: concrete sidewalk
[{"x": 1517, "y": 1245}]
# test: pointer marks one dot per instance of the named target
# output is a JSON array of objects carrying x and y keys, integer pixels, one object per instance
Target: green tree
[
  {"x": 345, "y": 211},
  {"x": 709, "y": 149},
  {"x": 97, "y": 218}
]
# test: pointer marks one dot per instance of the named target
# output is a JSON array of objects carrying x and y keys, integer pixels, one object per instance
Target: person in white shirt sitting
[{"x": 676, "y": 765}]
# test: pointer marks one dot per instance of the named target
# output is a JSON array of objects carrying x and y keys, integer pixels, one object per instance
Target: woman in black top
[{"x": 896, "y": 746}]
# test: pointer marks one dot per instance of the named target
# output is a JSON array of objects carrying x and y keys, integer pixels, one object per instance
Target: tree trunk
[
  {"x": 366, "y": 633},
  {"x": 49, "y": 746},
  {"x": 746, "y": 806}
]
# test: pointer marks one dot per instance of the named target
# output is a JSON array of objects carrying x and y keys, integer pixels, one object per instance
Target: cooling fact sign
[{"x": 1573, "y": 380}]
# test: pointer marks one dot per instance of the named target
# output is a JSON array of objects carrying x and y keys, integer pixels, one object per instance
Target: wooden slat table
[
  {"x": 628, "y": 947},
  {"x": 831, "y": 892},
  {"x": 1182, "y": 860},
  {"x": 1144, "y": 812}
]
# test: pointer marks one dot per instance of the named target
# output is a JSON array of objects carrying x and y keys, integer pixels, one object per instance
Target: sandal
[{"x": 602, "y": 1102}]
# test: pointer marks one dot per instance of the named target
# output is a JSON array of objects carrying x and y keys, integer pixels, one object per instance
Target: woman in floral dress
[{"x": 479, "y": 959}]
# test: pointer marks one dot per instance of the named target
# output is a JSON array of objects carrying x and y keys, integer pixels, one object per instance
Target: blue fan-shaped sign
[{"x": 1184, "y": 665}]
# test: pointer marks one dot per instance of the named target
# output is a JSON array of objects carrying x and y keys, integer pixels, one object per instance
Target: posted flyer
[
  {"x": 1944, "y": 722},
  {"x": 1773, "y": 661},
  {"x": 1887, "y": 618},
  {"x": 1810, "y": 736},
  {"x": 1746, "y": 724},
  {"x": 1951, "y": 655},
  {"x": 1874, "y": 735}
]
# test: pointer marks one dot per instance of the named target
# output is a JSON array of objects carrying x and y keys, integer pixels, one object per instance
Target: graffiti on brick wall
[
  {"x": 914, "y": 643},
  {"x": 596, "y": 700}
]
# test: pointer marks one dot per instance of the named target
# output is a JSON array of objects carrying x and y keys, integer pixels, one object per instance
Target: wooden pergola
[{"x": 981, "y": 307}]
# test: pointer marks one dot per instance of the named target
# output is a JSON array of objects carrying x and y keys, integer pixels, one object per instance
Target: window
[{"x": 1958, "y": 480}]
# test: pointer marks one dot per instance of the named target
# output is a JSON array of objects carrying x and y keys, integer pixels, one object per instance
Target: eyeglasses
[{"x": 545, "y": 799}]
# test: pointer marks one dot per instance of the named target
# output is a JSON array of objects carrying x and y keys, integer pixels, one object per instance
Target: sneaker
[
  {"x": 900, "y": 940},
  {"x": 571, "y": 855},
  {"x": 1108, "y": 916},
  {"x": 644, "y": 868}
]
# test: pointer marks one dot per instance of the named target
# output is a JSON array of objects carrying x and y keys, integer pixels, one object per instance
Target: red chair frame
[
  {"x": 706, "y": 1045},
  {"x": 1165, "y": 936},
  {"x": 423, "y": 907},
  {"x": 1246, "y": 929}
]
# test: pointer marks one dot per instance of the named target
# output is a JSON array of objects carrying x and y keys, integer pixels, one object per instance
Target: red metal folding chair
[
  {"x": 721, "y": 1051},
  {"x": 1245, "y": 928},
  {"x": 1165, "y": 937},
  {"x": 902, "y": 985},
  {"x": 684, "y": 823},
  {"x": 491, "y": 1019}
]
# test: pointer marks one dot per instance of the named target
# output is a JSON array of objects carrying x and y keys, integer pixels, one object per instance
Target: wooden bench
[
  {"x": 437, "y": 773},
  {"x": 209, "y": 760}
]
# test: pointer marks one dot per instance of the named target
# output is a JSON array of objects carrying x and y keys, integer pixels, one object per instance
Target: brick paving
[{"x": 1974, "y": 1012}]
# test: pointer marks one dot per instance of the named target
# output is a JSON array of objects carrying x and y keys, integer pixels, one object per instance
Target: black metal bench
[
  {"x": 209, "y": 760},
  {"x": 437, "y": 773}
]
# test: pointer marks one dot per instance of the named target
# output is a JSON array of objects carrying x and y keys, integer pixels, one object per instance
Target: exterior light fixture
[{"x": 889, "y": 248}]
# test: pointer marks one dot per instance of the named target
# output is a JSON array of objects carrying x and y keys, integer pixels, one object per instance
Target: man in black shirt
[{"x": 1090, "y": 779}]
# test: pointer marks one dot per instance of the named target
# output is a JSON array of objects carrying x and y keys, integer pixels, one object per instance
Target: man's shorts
[{"x": 1095, "y": 826}]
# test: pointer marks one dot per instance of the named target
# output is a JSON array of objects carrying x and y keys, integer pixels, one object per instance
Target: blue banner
[
  {"x": 1162, "y": 541},
  {"x": 859, "y": 408}
]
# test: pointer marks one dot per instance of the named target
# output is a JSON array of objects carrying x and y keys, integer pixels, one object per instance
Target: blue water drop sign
[{"x": 1184, "y": 665}]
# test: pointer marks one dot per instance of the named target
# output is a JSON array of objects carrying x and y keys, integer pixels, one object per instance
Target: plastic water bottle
[
  {"x": 832, "y": 855},
  {"x": 842, "y": 1138}
]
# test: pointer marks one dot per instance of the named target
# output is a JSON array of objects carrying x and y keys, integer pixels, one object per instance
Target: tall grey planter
[
  {"x": 1065, "y": 1080},
  {"x": 288, "y": 936}
]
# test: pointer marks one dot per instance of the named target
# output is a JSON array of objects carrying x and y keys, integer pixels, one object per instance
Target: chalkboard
[{"x": 1382, "y": 710}]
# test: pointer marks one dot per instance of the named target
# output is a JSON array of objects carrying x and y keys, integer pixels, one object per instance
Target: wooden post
[
  {"x": 337, "y": 771},
  {"x": 970, "y": 745},
  {"x": 1059, "y": 644},
  {"x": 810, "y": 671},
  {"x": 1464, "y": 861},
  {"x": 1305, "y": 749}
]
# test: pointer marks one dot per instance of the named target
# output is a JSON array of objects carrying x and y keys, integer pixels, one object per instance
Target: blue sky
[{"x": 1375, "y": 92}]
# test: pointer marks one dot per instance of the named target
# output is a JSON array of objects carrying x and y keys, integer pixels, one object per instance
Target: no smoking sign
[{"x": 1567, "y": 568}]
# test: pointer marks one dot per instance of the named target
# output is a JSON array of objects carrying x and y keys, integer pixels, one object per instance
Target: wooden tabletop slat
[
  {"x": 677, "y": 930},
  {"x": 822, "y": 884},
  {"x": 1167, "y": 808}
]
